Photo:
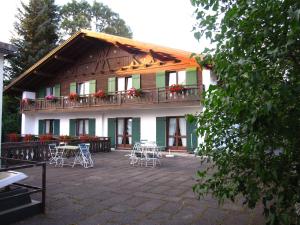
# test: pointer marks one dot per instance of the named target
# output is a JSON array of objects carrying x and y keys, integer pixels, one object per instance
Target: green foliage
[
  {"x": 11, "y": 118},
  {"x": 35, "y": 34},
  {"x": 99, "y": 17},
  {"x": 251, "y": 119}
]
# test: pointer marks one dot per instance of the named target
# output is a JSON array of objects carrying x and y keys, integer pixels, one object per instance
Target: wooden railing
[
  {"x": 39, "y": 151},
  {"x": 156, "y": 96}
]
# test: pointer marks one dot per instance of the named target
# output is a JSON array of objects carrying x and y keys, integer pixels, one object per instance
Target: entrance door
[
  {"x": 176, "y": 133},
  {"x": 124, "y": 132}
]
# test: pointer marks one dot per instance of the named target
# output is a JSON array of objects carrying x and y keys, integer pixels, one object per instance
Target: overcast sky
[{"x": 164, "y": 22}]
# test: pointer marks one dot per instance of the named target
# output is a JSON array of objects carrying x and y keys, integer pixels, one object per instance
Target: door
[
  {"x": 176, "y": 133},
  {"x": 124, "y": 132}
]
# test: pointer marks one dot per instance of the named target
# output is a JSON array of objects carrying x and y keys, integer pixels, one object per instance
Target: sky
[{"x": 164, "y": 22}]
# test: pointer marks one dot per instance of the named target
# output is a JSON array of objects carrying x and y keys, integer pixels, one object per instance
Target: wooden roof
[{"x": 83, "y": 39}]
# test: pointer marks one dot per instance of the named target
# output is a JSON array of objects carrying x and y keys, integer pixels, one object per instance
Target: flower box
[
  {"x": 176, "y": 88},
  {"x": 100, "y": 94},
  {"x": 50, "y": 98},
  {"x": 73, "y": 96},
  {"x": 132, "y": 92}
]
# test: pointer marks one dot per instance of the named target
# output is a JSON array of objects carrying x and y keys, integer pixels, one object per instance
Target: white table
[{"x": 65, "y": 149}]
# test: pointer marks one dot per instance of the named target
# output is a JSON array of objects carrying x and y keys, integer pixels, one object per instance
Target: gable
[{"x": 96, "y": 53}]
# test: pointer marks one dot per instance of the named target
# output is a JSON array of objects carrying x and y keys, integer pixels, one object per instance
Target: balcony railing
[{"x": 148, "y": 96}]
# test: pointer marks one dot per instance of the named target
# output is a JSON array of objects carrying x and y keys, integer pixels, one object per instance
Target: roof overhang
[{"x": 81, "y": 39}]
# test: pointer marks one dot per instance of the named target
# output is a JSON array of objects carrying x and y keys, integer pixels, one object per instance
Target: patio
[{"x": 113, "y": 192}]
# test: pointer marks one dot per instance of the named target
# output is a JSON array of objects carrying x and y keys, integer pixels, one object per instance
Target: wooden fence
[{"x": 39, "y": 151}]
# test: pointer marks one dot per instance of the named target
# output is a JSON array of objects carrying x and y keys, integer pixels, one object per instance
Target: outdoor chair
[
  {"x": 150, "y": 156},
  {"x": 52, "y": 151},
  {"x": 84, "y": 156},
  {"x": 60, "y": 157},
  {"x": 136, "y": 154}
]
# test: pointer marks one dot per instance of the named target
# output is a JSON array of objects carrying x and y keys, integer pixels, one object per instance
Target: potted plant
[
  {"x": 132, "y": 92},
  {"x": 176, "y": 88},
  {"x": 28, "y": 138},
  {"x": 50, "y": 98},
  {"x": 100, "y": 94},
  {"x": 73, "y": 96},
  {"x": 26, "y": 101}
]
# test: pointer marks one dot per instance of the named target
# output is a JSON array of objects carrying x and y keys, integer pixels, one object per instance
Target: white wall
[
  {"x": 28, "y": 94},
  {"x": 208, "y": 78},
  {"x": 148, "y": 119}
]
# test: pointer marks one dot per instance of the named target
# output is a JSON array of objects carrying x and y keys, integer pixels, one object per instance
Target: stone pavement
[{"x": 113, "y": 192}]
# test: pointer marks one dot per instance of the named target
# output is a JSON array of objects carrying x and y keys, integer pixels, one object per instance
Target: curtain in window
[
  {"x": 49, "y": 91},
  {"x": 80, "y": 89},
  {"x": 181, "y": 77},
  {"x": 86, "y": 126},
  {"x": 182, "y": 132},
  {"x": 129, "y": 83},
  {"x": 120, "y": 130},
  {"x": 47, "y": 127},
  {"x": 121, "y": 83},
  {"x": 172, "y": 129},
  {"x": 80, "y": 127},
  {"x": 129, "y": 131},
  {"x": 172, "y": 78}
]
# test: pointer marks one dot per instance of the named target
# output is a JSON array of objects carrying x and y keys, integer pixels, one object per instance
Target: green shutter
[
  {"x": 57, "y": 90},
  {"x": 92, "y": 86},
  {"x": 112, "y": 131},
  {"x": 192, "y": 139},
  {"x": 111, "y": 84},
  {"x": 161, "y": 131},
  {"x": 191, "y": 76},
  {"x": 73, "y": 87},
  {"x": 136, "y": 130},
  {"x": 56, "y": 128},
  {"x": 92, "y": 126},
  {"x": 41, "y": 127},
  {"x": 160, "y": 79},
  {"x": 72, "y": 127},
  {"x": 41, "y": 93},
  {"x": 136, "y": 81}
]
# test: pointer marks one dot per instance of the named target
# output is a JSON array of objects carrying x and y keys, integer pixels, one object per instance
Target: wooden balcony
[{"x": 159, "y": 97}]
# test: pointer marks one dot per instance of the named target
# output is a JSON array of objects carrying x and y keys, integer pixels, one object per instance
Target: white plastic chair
[
  {"x": 53, "y": 153},
  {"x": 136, "y": 154},
  {"x": 84, "y": 157}
]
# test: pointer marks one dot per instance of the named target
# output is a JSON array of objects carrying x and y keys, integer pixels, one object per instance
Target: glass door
[
  {"x": 176, "y": 134},
  {"x": 124, "y": 132}
]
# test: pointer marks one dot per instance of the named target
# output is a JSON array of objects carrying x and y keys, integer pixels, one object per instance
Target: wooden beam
[
  {"x": 63, "y": 59},
  {"x": 40, "y": 73}
]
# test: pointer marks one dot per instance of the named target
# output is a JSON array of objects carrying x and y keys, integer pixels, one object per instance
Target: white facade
[{"x": 147, "y": 116}]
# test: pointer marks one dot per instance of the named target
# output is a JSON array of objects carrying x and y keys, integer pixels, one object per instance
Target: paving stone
[
  {"x": 113, "y": 192},
  {"x": 150, "y": 205}
]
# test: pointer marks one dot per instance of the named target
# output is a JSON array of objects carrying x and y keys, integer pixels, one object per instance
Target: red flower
[
  {"x": 100, "y": 94},
  {"x": 176, "y": 88},
  {"x": 134, "y": 92},
  {"x": 73, "y": 96}
]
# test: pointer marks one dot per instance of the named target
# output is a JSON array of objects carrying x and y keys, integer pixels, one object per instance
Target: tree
[
  {"x": 99, "y": 17},
  {"x": 251, "y": 119},
  {"x": 35, "y": 34}
]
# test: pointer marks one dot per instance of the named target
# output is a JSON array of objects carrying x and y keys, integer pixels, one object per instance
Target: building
[{"x": 105, "y": 85}]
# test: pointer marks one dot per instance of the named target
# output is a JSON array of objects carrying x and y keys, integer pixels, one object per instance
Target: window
[
  {"x": 176, "y": 77},
  {"x": 49, "y": 91},
  {"x": 124, "y": 132},
  {"x": 83, "y": 88},
  {"x": 176, "y": 135},
  {"x": 124, "y": 83},
  {"x": 49, "y": 127},
  {"x": 82, "y": 127}
]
